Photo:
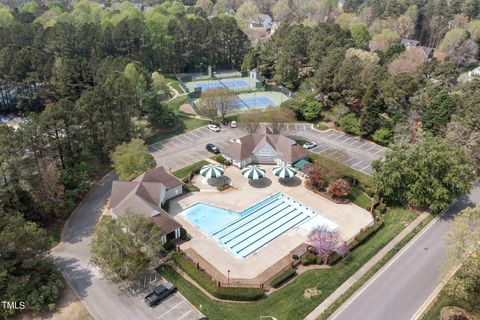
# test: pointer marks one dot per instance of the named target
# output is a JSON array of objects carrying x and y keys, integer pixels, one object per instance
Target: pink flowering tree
[{"x": 325, "y": 242}]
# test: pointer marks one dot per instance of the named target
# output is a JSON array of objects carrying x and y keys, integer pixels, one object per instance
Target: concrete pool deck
[{"x": 244, "y": 194}]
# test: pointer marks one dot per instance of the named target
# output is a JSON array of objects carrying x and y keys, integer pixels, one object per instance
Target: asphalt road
[
  {"x": 104, "y": 299},
  {"x": 401, "y": 288}
]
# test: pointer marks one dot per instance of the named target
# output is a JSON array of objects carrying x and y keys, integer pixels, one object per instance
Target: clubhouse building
[{"x": 264, "y": 148}]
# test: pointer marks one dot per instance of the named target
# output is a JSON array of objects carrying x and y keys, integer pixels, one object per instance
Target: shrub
[
  {"x": 189, "y": 187},
  {"x": 283, "y": 277},
  {"x": 382, "y": 208},
  {"x": 320, "y": 175},
  {"x": 339, "y": 188},
  {"x": 220, "y": 159},
  {"x": 370, "y": 192},
  {"x": 367, "y": 233},
  {"x": 169, "y": 246},
  {"x": 183, "y": 234},
  {"x": 304, "y": 108},
  {"x": 350, "y": 124},
  {"x": 383, "y": 136},
  {"x": 334, "y": 259},
  {"x": 236, "y": 294},
  {"x": 308, "y": 259},
  {"x": 224, "y": 187}
]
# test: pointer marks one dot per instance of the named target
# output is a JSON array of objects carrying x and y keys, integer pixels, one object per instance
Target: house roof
[
  {"x": 286, "y": 148},
  {"x": 160, "y": 175},
  {"x": 428, "y": 51},
  {"x": 409, "y": 42},
  {"x": 143, "y": 196}
]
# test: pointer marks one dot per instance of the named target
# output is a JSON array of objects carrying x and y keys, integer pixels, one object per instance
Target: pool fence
[{"x": 263, "y": 280}]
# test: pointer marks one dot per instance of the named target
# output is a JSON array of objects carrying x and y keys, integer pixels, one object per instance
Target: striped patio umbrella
[
  {"x": 253, "y": 172},
  {"x": 284, "y": 171},
  {"x": 212, "y": 171}
]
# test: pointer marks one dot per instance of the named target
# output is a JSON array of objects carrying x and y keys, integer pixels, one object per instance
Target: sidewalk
[{"x": 364, "y": 269}]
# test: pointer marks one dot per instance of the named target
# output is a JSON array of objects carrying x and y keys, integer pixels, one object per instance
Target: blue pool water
[{"x": 243, "y": 233}]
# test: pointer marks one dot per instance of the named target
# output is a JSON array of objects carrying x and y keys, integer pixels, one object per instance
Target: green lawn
[
  {"x": 321, "y": 127},
  {"x": 289, "y": 302},
  {"x": 343, "y": 169},
  {"x": 300, "y": 142},
  {"x": 187, "y": 124},
  {"x": 182, "y": 173},
  {"x": 358, "y": 197},
  {"x": 177, "y": 102}
]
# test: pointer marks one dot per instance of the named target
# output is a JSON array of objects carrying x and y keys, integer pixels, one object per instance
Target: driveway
[
  {"x": 187, "y": 148},
  {"x": 401, "y": 288},
  {"x": 104, "y": 299}
]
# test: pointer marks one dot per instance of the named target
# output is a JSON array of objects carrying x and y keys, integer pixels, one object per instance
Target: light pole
[{"x": 228, "y": 276}]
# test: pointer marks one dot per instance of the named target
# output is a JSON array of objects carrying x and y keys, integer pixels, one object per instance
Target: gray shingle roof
[
  {"x": 143, "y": 196},
  {"x": 286, "y": 148}
]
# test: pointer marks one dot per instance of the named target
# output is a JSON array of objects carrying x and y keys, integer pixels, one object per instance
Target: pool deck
[{"x": 244, "y": 194}]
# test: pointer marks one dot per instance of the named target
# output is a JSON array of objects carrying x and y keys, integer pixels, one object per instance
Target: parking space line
[
  {"x": 353, "y": 165},
  {"x": 378, "y": 151},
  {"x": 187, "y": 136},
  {"x": 365, "y": 167},
  {"x": 359, "y": 164},
  {"x": 183, "y": 139},
  {"x": 195, "y": 134},
  {"x": 159, "y": 317},
  {"x": 327, "y": 149},
  {"x": 186, "y": 314},
  {"x": 371, "y": 147}
]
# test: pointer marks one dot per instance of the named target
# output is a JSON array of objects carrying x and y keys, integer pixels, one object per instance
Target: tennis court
[
  {"x": 235, "y": 84},
  {"x": 260, "y": 100}
]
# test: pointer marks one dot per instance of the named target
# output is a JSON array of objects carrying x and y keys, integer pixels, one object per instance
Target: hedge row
[
  {"x": 220, "y": 159},
  {"x": 367, "y": 233},
  {"x": 283, "y": 277},
  {"x": 184, "y": 173},
  {"x": 237, "y": 294}
]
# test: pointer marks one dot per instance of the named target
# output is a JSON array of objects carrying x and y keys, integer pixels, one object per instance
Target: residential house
[
  {"x": 145, "y": 195},
  {"x": 410, "y": 43},
  {"x": 264, "y": 149},
  {"x": 261, "y": 20}
]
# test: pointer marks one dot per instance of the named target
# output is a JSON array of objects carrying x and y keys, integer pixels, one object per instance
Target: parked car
[
  {"x": 212, "y": 148},
  {"x": 309, "y": 145},
  {"x": 213, "y": 127},
  {"x": 233, "y": 124},
  {"x": 159, "y": 294}
]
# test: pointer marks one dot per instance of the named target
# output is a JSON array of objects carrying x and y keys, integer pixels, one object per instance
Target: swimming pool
[{"x": 243, "y": 233}]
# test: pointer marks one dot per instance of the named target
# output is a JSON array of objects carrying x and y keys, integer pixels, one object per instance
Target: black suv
[
  {"x": 160, "y": 293},
  {"x": 213, "y": 148}
]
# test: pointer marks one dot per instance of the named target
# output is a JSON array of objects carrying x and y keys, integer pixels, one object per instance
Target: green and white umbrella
[
  {"x": 253, "y": 172},
  {"x": 284, "y": 171},
  {"x": 212, "y": 171}
]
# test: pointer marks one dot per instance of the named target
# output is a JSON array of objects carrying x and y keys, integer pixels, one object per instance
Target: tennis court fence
[{"x": 282, "y": 89}]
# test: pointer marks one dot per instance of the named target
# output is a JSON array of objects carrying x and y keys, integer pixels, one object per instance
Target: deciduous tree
[
  {"x": 132, "y": 159},
  {"x": 126, "y": 246},
  {"x": 325, "y": 242},
  {"x": 428, "y": 174}
]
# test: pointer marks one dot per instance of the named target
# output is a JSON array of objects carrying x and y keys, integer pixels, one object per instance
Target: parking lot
[
  {"x": 182, "y": 150},
  {"x": 350, "y": 150},
  {"x": 175, "y": 307}
]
